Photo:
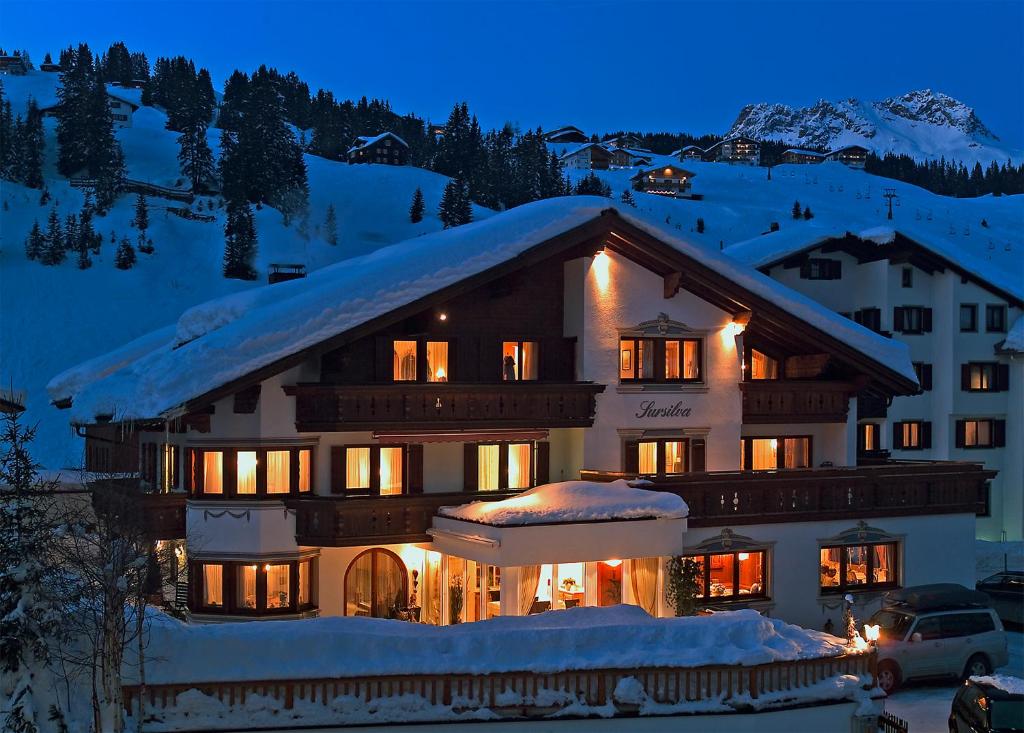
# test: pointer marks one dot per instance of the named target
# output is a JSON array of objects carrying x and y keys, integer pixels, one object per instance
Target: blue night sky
[{"x": 600, "y": 65}]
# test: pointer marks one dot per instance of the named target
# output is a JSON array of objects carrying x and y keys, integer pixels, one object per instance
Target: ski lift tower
[{"x": 889, "y": 194}]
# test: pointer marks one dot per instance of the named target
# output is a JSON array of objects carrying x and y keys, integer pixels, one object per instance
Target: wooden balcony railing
[
  {"x": 161, "y": 516},
  {"x": 893, "y": 489},
  {"x": 776, "y": 401},
  {"x": 353, "y": 521},
  {"x": 336, "y": 408},
  {"x": 522, "y": 694}
]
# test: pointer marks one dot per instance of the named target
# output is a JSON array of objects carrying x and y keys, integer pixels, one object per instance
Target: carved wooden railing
[
  {"x": 777, "y": 401},
  {"x": 892, "y": 489},
  {"x": 353, "y": 521},
  {"x": 162, "y": 516},
  {"x": 326, "y": 408},
  {"x": 522, "y": 694}
]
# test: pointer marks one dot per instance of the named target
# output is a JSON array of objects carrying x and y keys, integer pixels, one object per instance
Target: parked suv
[
  {"x": 988, "y": 705},
  {"x": 941, "y": 630}
]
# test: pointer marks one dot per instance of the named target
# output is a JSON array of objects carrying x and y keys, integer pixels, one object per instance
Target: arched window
[{"x": 376, "y": 584}]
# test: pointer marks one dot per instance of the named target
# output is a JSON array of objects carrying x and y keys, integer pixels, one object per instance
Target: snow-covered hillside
[
  {"x": 54, "y": 317},
  {"x": 923, "y": 124}
]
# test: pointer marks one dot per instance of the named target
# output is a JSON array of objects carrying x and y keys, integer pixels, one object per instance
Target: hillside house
[
  {"x": 669, "y": 180},
  {"x": 566, "y": 134},
  {"x": 590, "y": 156},
  {"x": 51, "y": 67},
  {"x": 690, "y": 152},
  {"x": 314, "y": 462},
  {"x": 740, "y": 149},
  {"x": 13, "y": 65},
  {"x": 624, "y": 141},
  {"x": 384, "y": 149},
  {"x": 798, "y": 156},
  {"x": 628, "y": 158},
  {"x": 123, "y": 104},
  {"x": 852, "y": 155}
]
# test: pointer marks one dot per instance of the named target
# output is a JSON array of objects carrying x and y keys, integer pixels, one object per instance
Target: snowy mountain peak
[{"x": 923, "y": 123}]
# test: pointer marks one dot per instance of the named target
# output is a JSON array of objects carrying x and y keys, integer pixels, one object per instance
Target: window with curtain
[
  {"x": 278, "y": 586},
  {"x": 245, "y": 587},
  {"x": 648, "y": 456},
  {"x": 763, "y": 366},
  {"x": 170, "y": 472},
  {"x": 305, "y": 583},
  {"x": 663, "y": 456},
  {"x": 245, "y": 466},
  {"x": 305, "y": 470},
  {"x": 519, "y": 360},
  {"x": 978, "y": 434},
  {"x": 278, "y": 471},
  {"x": 675, "y": 456},
  {"x": 357, "y": 468},
  {"x": 682, "y": 359},
  {"x": 766, "y": 454},
  {"x": 437, "y": 361},
  {"x": 636, "y": 359},
  {"x": 858, "y": 567},
  {"x": 390, "y": 471},
  {"x": 375, "y": 585},
  {"x": 731, "y": 575},
  {"x": 869, "y": 436},
  {"x": 911, "y": 434},
  {"x": 519, "y": 474},
  {"x": 405, "y": 361},
  {"x": 213, "y": 585},
  {"x": 213, "y": 472},
  {"x": 488, "y": 468}
]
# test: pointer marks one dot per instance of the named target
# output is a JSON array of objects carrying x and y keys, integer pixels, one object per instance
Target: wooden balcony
[
  {"x": 335, "y": 408},
  {"x": 353, "y": 521},
  {"x": 779, "y": 401},
  {"x": 161, "y": 516},
  {"x": 805, "y": 495}
]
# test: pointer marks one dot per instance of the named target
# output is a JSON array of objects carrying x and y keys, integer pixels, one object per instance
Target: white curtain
[
  {"x": 405, "y": 361},
  {"x": 245, "y": 463},
  {"x": 691, "y": 369},
  {"x": 278, "y": 471},
  {"x": 519, "y": 465},
  {"x": 437, "y": 361},
  {"x": 247, "y": 586},
  {"x": 648, "y": 457},
  {"x": 213, "y": 472},
  {"x": 304, "y": 595},
  {"x": 488, "y": 472},
  {"x": 529, "y": 577},
  {"x": 390, "y": 471},
  {"x": 528, "y": 361},
  {"x": 213, "y": 585},
  {"x": 643, "y": 572},
  {"x": 278, "y": 586},
  {"x": 357, "y": 468},
  {"x": 671, "y": 360},
  {"x": 305, "y": 482}
]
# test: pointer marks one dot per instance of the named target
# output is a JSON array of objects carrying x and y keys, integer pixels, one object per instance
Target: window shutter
[
  {"x": 961, "y": 433},
  {"x": 999, "y": 433},
  {"x": 965, "y": 376},
  {"x": 385, "y": 359},
  {"x": 415, "y": 468},
  {"x": 543, "y": 470},
  {"x": 337, "y": 469},
  {"x": 1002, "y": 377},
  {"x": 196, "y": 457},
  {"x": 897, "y": 435},
  {"x": 698, "y": 457},
  {"x": 926, "y": 435},
  {"x": 926, "y": 320},
  {"x": 470, "y": 479},
  {"x": 631, "y": 457},
  {"x": 897, "y": 319},
  {"x": 805, "y": 270},
  {"x": 926, "y": 377}
]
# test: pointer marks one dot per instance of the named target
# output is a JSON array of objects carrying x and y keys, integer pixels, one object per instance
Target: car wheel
[
  {"x": 888, "y": 677},
  {"x": 976, "y": 666}
]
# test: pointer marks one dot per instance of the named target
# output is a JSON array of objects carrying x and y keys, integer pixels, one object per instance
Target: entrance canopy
[{"x": 571, "y": 521}]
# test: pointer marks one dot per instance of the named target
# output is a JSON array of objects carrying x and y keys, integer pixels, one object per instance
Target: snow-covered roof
[
  {"x": 661, "y": 169},
  {"x": 837, "y": 151},
  {"x": 1014, "y": 341},
  {"x": 229, "y": 338},
  {"x": 772, "y": 248},
  {"x": 364, "y": 142},
  {"x": 126, "y": 95},
  {"x": 572, "y": 501},
  {"x": 798, "y": 151},
  {"x": 580, "y": 147}
]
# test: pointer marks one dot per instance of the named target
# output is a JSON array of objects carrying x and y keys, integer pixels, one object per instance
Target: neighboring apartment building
[
  {"x": 301, "y": 451},
  {"x": 740, "y": 149},
  {"x": 954, "y": 317}
]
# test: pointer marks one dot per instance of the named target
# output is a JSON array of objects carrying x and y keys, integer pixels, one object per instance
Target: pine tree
[
  {"x": 32, "y": 146},
  {"x": 417, "y": 207},
  {"x": 807, "y": 213},
  {"x": 700, "y": 225},
  {"x": 84, "y": 260},
  {"x": 331, "y": 226},
  {"x": 125, "y": 257},
  {"x": 195, "y": 157},
  {"x": 88, "y": 238},
  {"x": 141, "y": 220},
  {"x": 455, "y": 208},
  {"x": 35, "y": 243},
  {"x": 239, "y": 242},
  {"x": 53, "y": 250},
  {"x": 627, "y": 198},
  {"x": 797, "y": 211},
  {"x": 70, "y": 233}
]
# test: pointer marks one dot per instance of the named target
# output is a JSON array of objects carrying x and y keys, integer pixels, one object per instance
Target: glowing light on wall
[{"x": 601, "y": 267}]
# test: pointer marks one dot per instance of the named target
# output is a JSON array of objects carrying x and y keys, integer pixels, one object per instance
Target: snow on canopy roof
[
  {"x": 576, "y": 638},
  {"x": 800, "y": 151},
  {"x": 1004, "y": 682},
  {"x": 1014, "y": 340},
  {"x": 365, "y": 142},
  {"x": 231, "y": 337},
  {"x": 572, "y": 501},
  {"x": 769, "y": 249}
]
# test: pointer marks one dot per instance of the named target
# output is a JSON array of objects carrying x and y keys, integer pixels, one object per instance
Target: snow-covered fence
[
  {"x": 715, "y": 688},
  {"x": 151, "y": 189}
]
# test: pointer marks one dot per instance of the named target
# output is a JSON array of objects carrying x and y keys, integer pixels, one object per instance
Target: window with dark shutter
[
  {"x": 999, "y": 433},
  {"x": 414, "y": 461},
  {"x": 543, "y": 469},
  {"x": 631, "y": 457},
  {"x": 698, "y": 454},
  {"x": 469, "y": 467},
  {"x": 926, "y": 435},
  {"x": 337, "y": 469},
  {"x": 961, "y": 433},
  {"x": 897, "y": 435}
]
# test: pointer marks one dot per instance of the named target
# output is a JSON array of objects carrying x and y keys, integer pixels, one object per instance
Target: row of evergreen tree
[
  {"x": 949, "y": 178},
  {"x": 21, "y": 144}
]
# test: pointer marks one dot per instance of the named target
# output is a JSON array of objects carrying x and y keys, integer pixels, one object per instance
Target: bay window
[
  {"x": 660, "y": 360},
  {"x": 769, "y": 453},
  {"x": 245, "y": 471},
  {"x": 278, "y": 471},
  {"x": 278, "y": 586},
  {"x": 252, "y": 473},
  {"x": 726, "y": 576},
  {"x": 212, "y": 595},
  {"x": 213, "y": 472},
  {"x": 863, "y": 566},
  {"x": 245, "y": 587},
  {"x": 254, "y": 587},
  {"x": 519, "y": 361}
]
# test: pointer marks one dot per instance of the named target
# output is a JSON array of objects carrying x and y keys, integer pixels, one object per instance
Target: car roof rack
[{"x": 935, "y": 597}]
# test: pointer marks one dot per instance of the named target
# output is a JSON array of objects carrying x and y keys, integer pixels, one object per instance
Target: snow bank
[
  {"x": 1005, "y": 682},
  {"x": 572, "y": 501},
  {"x": 237, "y": 335},
  {"x": 577, "y": 638}
]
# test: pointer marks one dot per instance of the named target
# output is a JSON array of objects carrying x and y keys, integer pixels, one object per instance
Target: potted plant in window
[{"x": 455, "y": 601}]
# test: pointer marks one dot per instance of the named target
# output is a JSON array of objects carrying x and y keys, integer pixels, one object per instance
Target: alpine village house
[{"x": 304, "y": 455}]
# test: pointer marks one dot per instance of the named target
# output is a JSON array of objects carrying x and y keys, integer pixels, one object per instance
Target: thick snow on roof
[
  {"x": 236, "y": 335},
  {"x": 578, "y": 147},
  {"x": 578, "y": 638},
  {"x": 365, "y": 142},
  {"x": 131, "y": 96},
  {"x": 1015, "y": 338},
  {"x": 572, "y": 501},
  {"x": 1004, "y": 682},
  {"x": 798, "y": 151}
]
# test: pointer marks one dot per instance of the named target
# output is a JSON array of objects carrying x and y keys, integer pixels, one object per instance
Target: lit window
[
  {"x": 674, "y": 456},
  {"x": 213, "y": 585},
  {"x": 519, "y": 360},
  {"x": 977, "y": 433},
  {"x": 763, "y": 366},
  {"x": 213, "y": 472},
  {"x": 636, "y": 359},
  {"x": 731, "y": 575},
  {"x": 278, "y": 585},
  {"x": 246, "y": 467},
  {"x": 305, "y": 475},
  {"x": 648, "y": 457},
  {"x": 682, "y": 359},
  {"x": 246, "y": 591},
  {"x": 278, "y": 471},
  {"x": 766, "y": 454},
  {"x": 437, "y": 361},
  {"x": 857, "y": 566},
  {"x": 405, "y": 361},
  {"x": 170, "y": 475},
  {"x": 662, "y": 456},
  {"x": 519, "y": 465},
  {"x": 869, "y": 436},
  {"x": 488, "y": 467},
  {"x": 357, "y": 468},
  {"x": 390, "y": 471},
  {"x": 981, "y": 377},
  {"x": 911, "y": 434}
]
